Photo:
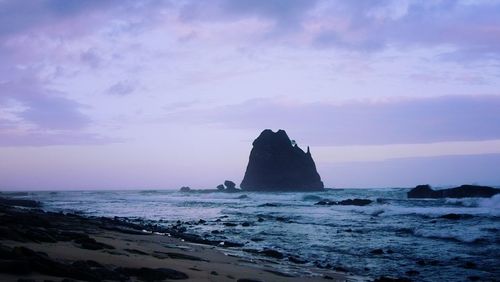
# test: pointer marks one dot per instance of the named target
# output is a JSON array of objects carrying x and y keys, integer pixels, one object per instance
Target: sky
[{"x": 151, "y": 94}]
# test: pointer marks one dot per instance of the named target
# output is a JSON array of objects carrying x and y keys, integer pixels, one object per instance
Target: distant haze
[{"x": 163, "y": 94}]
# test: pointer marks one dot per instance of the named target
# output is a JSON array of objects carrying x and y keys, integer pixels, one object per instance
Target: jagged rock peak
[{"x": 277, "y": 163}]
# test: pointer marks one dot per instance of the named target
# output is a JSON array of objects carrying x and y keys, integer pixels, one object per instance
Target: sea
[{"x": 416, "y": 241}]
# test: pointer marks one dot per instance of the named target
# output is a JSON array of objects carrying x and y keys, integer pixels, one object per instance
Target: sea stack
[{"x": 278, "y": 164}]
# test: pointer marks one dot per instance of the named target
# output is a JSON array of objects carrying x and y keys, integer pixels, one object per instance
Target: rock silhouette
[
  {"x": 277, "y": 164},
  {"x": 464, "y": 191}
]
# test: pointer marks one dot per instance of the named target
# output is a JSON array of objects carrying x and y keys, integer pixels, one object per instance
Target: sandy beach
[{"x": 43, "y": 246}]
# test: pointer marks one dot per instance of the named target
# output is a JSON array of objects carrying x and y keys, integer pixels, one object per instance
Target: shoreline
[{"x": 100, "y": 248}]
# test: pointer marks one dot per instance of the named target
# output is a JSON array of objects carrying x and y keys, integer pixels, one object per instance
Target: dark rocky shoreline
[{"x": 24, "y": 222}]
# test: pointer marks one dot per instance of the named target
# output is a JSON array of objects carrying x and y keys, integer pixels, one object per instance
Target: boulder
[
  {"x": 455, "y": 216},
  {"x": 355, "y": 202},
  {"x": 464, "y": 191},
  {"x": 230, "y": 186},
  {"x": 348, "y": 202},
  {"x": 185, "y": 189},
  {"x": 277, "y": 164},
  {"x": 272, "y": 253}
]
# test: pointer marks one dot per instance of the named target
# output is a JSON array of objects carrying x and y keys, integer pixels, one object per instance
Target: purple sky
[{"x": 161, "y": 94}]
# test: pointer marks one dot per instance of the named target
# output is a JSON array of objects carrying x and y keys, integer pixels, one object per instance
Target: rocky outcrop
[
  {"x": 228, "y": 187},
  {"x": 464, "y": 191},
  {"x": 185, "y": 189},
  {"x": 278, "y": 164},
  {"x": 20, "y": 202},
  {"x": 348, "y": 202}
]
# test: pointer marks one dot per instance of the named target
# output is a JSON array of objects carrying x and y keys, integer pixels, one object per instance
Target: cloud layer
[
  {"x": 148, "y": 79},
  {"x": 395, "y": 121}
]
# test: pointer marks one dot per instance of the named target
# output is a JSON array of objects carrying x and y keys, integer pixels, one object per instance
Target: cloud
[
  {"x": 31, "y": 115},
  {"x": 122, "y": 88},
  {"x": 46, "y": 109},
  {"x": 91, "y": 58},
  {"x": 21, "y": 17},
  {"x": 286, "y": 15},
  {"x": 37, "y": 138},
  {"x": 469, "y": 29},
  {"x": 397, "y": 121}
]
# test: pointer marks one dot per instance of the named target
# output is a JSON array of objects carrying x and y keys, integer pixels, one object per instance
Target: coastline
[{"x": 40, "y": 245}]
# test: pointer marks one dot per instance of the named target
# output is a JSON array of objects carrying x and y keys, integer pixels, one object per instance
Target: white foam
[
  {"x": 493, "y": 202},
  {"x": 467, "y": 237}
]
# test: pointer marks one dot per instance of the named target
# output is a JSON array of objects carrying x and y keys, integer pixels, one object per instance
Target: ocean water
[{"x": 333, "y": 236}]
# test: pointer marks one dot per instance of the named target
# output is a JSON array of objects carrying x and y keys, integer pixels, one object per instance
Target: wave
[
  {"x": 311, "y": 198},
  {"x": 451, "y": 234},
  {"x": 146, "y": 192},
  {"x": 483, "y": 208},
  {"x": 493, "y": 202}
]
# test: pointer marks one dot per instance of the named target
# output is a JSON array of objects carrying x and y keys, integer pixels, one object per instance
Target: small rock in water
[
  {"x": 340, "y": 269},
  {"x": 412, "y": 272},
  {"x": 269, "y": 205},
  {"x": 429, "y": 262},
  {"x": 470, "y": 265},
  {"x": 348, "y": 202},
  {"x": 324, "y": 203},
  {"x": 454, "y": 216},
  {"x": 355, "y": 202},
  {"x": 245, "y": 224},
  {"x": 377, "y": 252},
  {"x": 185, "y": 189},
  {"x": 272, "y": 253},
  {"x": 296, "y": 260},
  {"x": 390, "y": 279}
]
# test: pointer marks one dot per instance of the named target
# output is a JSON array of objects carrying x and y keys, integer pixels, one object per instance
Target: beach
[{"x": 36, "y": 245}]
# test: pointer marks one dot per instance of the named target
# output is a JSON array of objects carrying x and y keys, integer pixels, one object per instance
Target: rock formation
[
  {"x": 228, "y": 186},
  {"x": 464, "y": 191},
  {"x": 185, "y": 189},
  {"x": 278, "y": 164},
  {"x": 348, "y": 202}
]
